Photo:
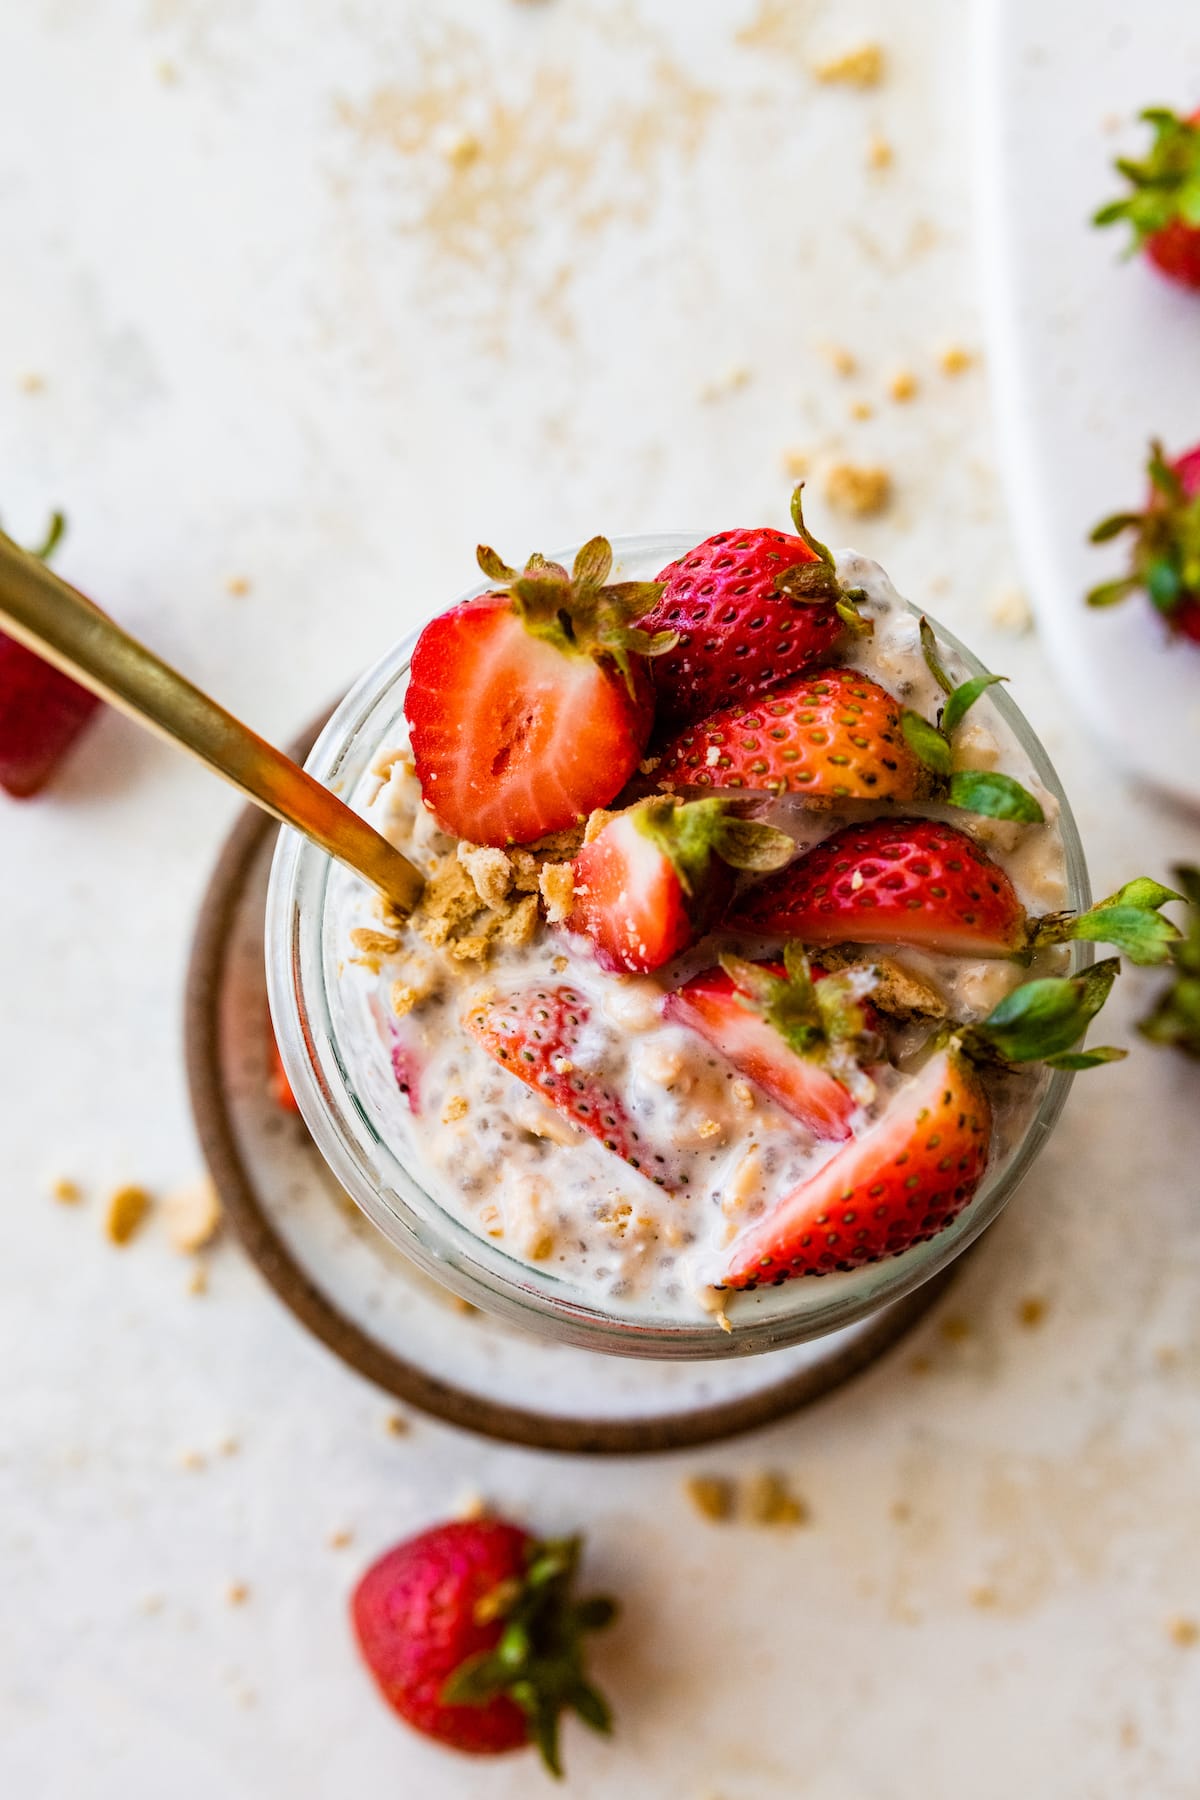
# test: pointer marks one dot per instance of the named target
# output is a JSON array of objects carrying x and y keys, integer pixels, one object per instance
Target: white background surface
[{"x": 283, "y": 339}]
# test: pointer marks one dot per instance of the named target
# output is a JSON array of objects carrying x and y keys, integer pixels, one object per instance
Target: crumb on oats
[
  {"x": 709, "y": 1128},
  {"x": 558, "y": 891},
  {"x": 65, "y": 1191},
  {"x": 457, "y": 1107},
  {"x": 125, "y": 1213},
  {"x": 856, "y": 488},
  {"x": 237, "y": 1593},
  {"x": 863, "y": 67},
  {"x": 490, "y": 871},
  {"x": 769, "y": 1501},
  {"x": 372, "y": 946},
  {"x": 449, "y": 899},
  {"x": 476, "y": 947},
  {"x": 518, "y": 925},
  {"x": 880, "y": 154},
  {"x": 903, "y": 386},
  {"x": 541, "y": 1248},
  {"x": 711, "y": 1495},
  {"x": 1184, "y": 1632},
  {"x": 560, "y": 965},
  {"x": 1032, "y": 1311},
  {"x": 742, "y": 1093},
  {"x": 526, "y": 871},
  {"x": 193, "y": 1215},
  {"x": 954, "y": 360}
]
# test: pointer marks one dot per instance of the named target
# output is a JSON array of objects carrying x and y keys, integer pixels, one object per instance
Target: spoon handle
[{"x": 50, "y": 617}]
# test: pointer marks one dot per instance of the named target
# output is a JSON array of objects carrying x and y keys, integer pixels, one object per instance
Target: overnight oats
[{"x": 752, "y": 949}]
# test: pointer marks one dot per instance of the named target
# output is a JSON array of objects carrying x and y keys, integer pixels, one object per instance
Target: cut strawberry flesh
[
  {"x": 631, "y": 904},
  {"x": 512, "y": 739},
  {"x": 902, "y": 1182},
  {"x": 42, "y": 713},
  {"x": 709, "y": 1006},
  {"x": 892, "y": 881}
]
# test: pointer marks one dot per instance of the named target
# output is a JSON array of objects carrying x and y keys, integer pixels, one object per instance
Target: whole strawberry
[
  {"x": 42, "y": 711},
  {"x": 474, "y": 1637},
  {"x": 1165, "y": 560},
  {"x": 1164, "y": 207},
  {"x": 532, "y": 706},
  {"x": 750, "y": 608}
]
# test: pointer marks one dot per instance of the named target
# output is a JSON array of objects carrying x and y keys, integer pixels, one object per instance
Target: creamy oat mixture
[{"x": 520, "y": 1174}]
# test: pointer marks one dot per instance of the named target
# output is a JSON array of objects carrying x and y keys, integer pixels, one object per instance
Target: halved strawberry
[
  {"x": 1164, "y": 207},
  {"x": 912, "y": 1172},
  {"x": 836, "y": 735},
  {"x": 532, "y": 706},
  {"x": 925, "y": 883},
  {"x": 538, "y": 1035},
  {"x": 799, "y": 1034},
  {"x": 42, "y": 711},
  {"x": 903, "y": 1181},
  {"x": 751, "y": 608},
  {"x": 1165, "y": 558},
  {"x": 656, "y": 877}
]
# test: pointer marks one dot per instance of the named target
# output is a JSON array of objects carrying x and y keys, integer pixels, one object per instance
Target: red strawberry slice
[
  {"x": 42, "y": 712},
  {"x": 751, "y": 608},
  {"x": 903, "y": 1181},
  {"x": 892, "y": 881},
  {"x": 530, "y": 707},
  {"x": 836, "y": 735},
  {"x": 1162, "y": 207},
  {"x": 1165, "y": 554},
  {"x": 536, "y": 1034},
  {"x": 786, "y": 1056},
  {"x": 656, "y": 877}
]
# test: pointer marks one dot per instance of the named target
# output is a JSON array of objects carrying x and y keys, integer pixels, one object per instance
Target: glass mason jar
[{"x": 345, "y": 1084}]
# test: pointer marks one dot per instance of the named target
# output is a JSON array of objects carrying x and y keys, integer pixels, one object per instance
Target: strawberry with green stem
[
  {"x": 1163, "y": 208},
  {"x": 475, "y": 1638},
  {"x": 1175, "y": 1019},
  {"x": 532, "y": 705},
  {"x": 42, "y": 711},
  {"x": 926, "y": 884},
  {"x": 911, "y": 1173},
  {"x": 655, "y": 878},
  {"x": 805, "y": 1037},
  {"x": 1165, "y": 559}
]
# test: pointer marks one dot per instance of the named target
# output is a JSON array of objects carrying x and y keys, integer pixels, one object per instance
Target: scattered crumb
[
  {"x": 396, "y": 1425},
  {"x": 903, "y": 386},
  {"x": 840, "y": 360},
  {"x": 470, "y": 1505},
  {"x": 541, "y": 1248},
  {"x": 237, "y": 1593},
  {"x": 983, "y": 1597},
  {"x": 372, "y": 947},
  {"x": 1184, "y": 1632},
  {"x": 769, "y": 1501},
  {"x": 31, "y": 382},
  {"x": 66, "y": 1191},
  {"x": 709, "y": 1128},
  {"x": 125, "y": 1213},
  {"x": 338, "y": 1540},
  {"x": 490, "y": 871},
  {"x": 150, "y": 1604},
  {"x": 862, "y": 68},
  {"x": 1129, "y": 1735},
  {"x": 648, "y": 765},
  {"x": 1011, "y": 611},
  {"x": 955, "y": 1328},
  {"x": 1031, "y": 1311},
  {"x": 743, "y": 1094},
  {"x": 854, "y": 488},
  {"x": 1167, "y": 1356},
  {"x": 880, "y": 154},
  {"x": 736, "y": 376},
  {"x": 457, "y": 1107},
  {"x": 560, "y": 965},
  {"x": 229, "y": 1446},
  {"x": 198, "y": 1280},
  {"x": 596, "y": 821},
  {"x": 795, "y": 463},
  {"x": 193, "y": 1216},
  {"x": 191, "y": 1459},
  {"x": 167, "y": 73},
  {"x": 557, "y": 885},
  {"x": 954, "y": 360},
  {"x": 459, "y": 147},
  {"x": 237, "y": 585},
  {"x": 862, "y": 409},
  {"x": 921, "y": 1365},
  {"x": 856, "y": 880},
  {"x": 901, "y": 1511},
  {"x": 711, "y": 1495},
  {"x": 724, "y": 1321}
]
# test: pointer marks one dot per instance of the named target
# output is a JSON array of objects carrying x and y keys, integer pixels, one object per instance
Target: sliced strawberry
[
  {"x": 1165, "y": 555},
  {"x": 537, "y": 1035},
  {"x": 751, "y": 608},
  {"x": 903, "y": 1181},
  {"x": 42, "y": 711},
  {"x": 1164, "y": 207},
  {"x": 656, "y": 877},
  {"x": 794, "y": 1031},
  {"x": 533, "y": 705},
  {"x": 836, "y": 735}
]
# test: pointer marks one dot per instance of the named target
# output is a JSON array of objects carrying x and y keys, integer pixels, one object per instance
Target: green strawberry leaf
[
  {"x": 926, "y": 742},
  {"x": 995, "y": 796},
  {"x": 1109, "y": 592},
  {"x": 933, "y": 657},
  {"x": 1076, "y": 1060},
  {"x": 593, "y": 563},
  {"x": 1113, "y": 527},
  {"x": 1129, "y": 919},
  {"x": 963, "y": 699}
]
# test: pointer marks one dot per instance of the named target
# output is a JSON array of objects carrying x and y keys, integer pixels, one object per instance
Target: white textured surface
[{"x": 287, "y": 346}]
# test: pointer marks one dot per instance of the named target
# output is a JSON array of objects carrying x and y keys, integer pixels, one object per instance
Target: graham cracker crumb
[
  {"x": 709, "y": 1128},
  {"x": 457, "y": 1107},
  {"x": 490, "y": 871},
  {"x": 1032, "y": 1311},
  {"x": 711, "y": 1495},
  {"x": 66, "y": 1191},
  {"x": 526, "y": 871},
  {"x": 742, "y": 1093},
  {"x": 955, "y": 1329},
  {"x": 192, "y": 1460},
  {"x": 648, "y": 765},
  {"x": 542, "y": 1246},
  {"x": 339, "y": 1540},
  {"x": 556, "y": 845},
  {"x": 237, "y": 1593},
  {"x": 954, "y": 360},
  {"x": 861, "y": 68},
  {"x": 795, "y": 463},
  {"x": 125, "y": 1213},
  {"x": 1184, "y": 1632},
  {"x": 724, "y": 1321},
  {"x": 517, "y": 926},
  {"x": 31, "y": 382},
  {"x": 903, "y": 386},
  {"x": 862, "y": 409},
  {"x": 372, "y": 946},
  {"x": 855, "y": 488},
  {"x": 396, "y": 1425},
  {"x": 769, "y": 1501},
  {"x": 879, "y": 152},
  {"x": 897, "y": 990},
  {"x": 560, "y": 965},
  {"x": 595, "y": 824},
  {"x": 983, "y": 1597},
  {"x": 193, "y": 1216},
  {"x": 476, "y": 948},
  {"x": 558, "y": 891},
  {"x": 841, "y": 361},
  {"x": 237, "y": 585},
  {"x": 449, "y": 899}
]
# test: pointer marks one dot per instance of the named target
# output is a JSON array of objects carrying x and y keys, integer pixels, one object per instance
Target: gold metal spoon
[{"x": 50, "y": 617}]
